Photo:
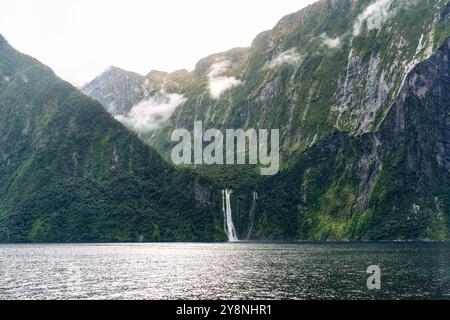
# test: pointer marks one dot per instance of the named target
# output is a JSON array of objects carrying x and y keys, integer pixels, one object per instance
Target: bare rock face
[
  {"x": 390, "y": 184},
  {"x": 422, "y": 111},
  {"x": 116, "y": 89},
  {"x": 202, "y": 194}
]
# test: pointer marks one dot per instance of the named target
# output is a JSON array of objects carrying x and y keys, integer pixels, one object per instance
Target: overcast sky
[{"x": 81, "y": 38}]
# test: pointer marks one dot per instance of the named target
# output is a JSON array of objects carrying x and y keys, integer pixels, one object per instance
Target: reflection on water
[{"x": 224, "y": 271}]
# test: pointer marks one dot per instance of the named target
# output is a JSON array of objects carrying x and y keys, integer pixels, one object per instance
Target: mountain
[
  {"x": 390, "y": 184},
  {"x": 358, "y": 89},
  {"x": 336, "y": 64},
  {"x": 71, "y": 172},
  {"x": 116, "y": 89}
]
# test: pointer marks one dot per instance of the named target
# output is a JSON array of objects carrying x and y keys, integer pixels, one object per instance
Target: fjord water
[{"x": 224, "y": 271}]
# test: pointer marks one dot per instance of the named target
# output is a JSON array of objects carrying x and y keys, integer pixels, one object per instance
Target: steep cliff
[
  {"x": 337, "y": 64},
  {"x": 391, "y": 184}
]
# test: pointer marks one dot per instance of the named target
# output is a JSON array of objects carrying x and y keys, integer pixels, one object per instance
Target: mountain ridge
[
  {"x": 330, "y": 65},
  {"x": 69, "y": 172}
]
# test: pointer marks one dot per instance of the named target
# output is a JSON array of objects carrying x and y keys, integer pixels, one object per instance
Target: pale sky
[{"x": 79, "y": 39}]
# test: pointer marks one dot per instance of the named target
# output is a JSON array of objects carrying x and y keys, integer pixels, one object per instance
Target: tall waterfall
[
  {"x": 228, "y": 217},
  {"x": 252, "y": 215}
]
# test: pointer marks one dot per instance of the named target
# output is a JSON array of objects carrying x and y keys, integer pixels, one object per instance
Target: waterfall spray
[{"x": 228, "y": 216}]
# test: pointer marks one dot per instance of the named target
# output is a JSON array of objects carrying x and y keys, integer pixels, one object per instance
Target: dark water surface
[{"x": 224, "y": 271}]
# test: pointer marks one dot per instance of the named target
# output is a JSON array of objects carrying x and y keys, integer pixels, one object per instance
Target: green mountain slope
[
  {"x": 392, "y": 184},
  {"x": 337, "y": 64},
  {"x": 359, "y": 91},
  {"x": 70, "y": 172}
]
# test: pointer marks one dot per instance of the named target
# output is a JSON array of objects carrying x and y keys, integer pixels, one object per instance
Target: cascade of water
[
  {"x": 252, "y": 215},
  {"x": 228, "y": 216}
]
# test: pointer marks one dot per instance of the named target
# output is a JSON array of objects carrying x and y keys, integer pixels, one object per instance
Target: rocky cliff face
[
  {"x": 391, "y": 184},
  {"x": 337, "y": 64},
  {"x": 116, "y": 89}
]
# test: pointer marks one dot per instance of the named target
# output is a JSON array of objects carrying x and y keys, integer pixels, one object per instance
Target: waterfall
[
  {"x": 252, "y": 215},
  {"x": 348, "y": 70},
  {"x": 228, "y": 217}
]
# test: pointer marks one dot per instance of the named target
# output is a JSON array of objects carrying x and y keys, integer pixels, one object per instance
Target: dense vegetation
[
  {"x": 70, "y": 172},
  {"x": 364, "y": 137},
  {"x": 392, "y": 184}
]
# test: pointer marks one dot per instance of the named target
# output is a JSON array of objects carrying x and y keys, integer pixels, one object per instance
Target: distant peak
[
  {"x": 119, "y": 71},
  {"x": 113, "y": 68},
  {"x": 111, "y": 71}
]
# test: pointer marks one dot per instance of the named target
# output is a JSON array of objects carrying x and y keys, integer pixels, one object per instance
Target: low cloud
[
  {"x": 218, "y": 82},
  {"x": 330, "y": 42},
  {"x": 290, "y": 56},
  {"x": 219, "y": 85},
  {"x": 376, "y": 14},
  {"x": 149, "y": 114}
]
